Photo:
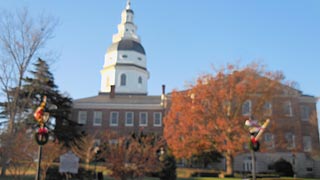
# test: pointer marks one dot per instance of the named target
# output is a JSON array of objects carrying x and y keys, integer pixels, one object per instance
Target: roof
[
  {"x": 127, "y": 45},
  {"x": 119, "y": 101}
]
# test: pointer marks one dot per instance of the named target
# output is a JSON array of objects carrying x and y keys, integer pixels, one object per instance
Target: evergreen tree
[{"x": 42, "y": 84}]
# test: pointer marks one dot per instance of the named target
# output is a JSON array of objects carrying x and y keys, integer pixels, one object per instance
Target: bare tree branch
[{"x": 22, "y": 40}]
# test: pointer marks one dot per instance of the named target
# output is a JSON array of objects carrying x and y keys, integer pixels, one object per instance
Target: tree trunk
[
  {"x": 87, "y": 164},
  {"x": 3, "y": 170},
  {"x": 4, "y": 166},
  {"x": 229, "y": 164}
]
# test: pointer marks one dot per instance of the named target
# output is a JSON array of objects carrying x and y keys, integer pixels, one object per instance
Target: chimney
[
  {"x": 163, "y": 89},
  {"x": 163, "y": 97},
  {"x": 112, "y": 91}
]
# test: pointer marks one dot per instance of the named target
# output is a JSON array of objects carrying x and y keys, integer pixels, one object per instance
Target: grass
[
  {"x": 31, "y": 177},
  {"x": 182, "y": 173}
]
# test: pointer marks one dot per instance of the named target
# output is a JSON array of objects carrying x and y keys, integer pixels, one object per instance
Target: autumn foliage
[
  {"x": 210, "y": 115},
  {"x": 132, "y": 157}
]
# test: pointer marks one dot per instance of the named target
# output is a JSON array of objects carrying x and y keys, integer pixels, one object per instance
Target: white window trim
[
  {"x": 124, "y": 82},
  {"x": 293, "y": 139},
  {"x": 303, "y": 111},
  {"x": 154, "y": 119},
  {"x": 97, "y": 142},
  {"x": 94, "y": 118},
  {"x": 80, "y": 120},
  {"x": 309, "y": 143},
  {"x": 140, "y": 115},
  {"x": 250, "y": 106},
  {"x": 288, "y": 104},
  {"x": 268, "y": 109},
  {"x": 110, "y": 122},
  {"x": 127, "y": 124},
  {"x": 270, "y": 143}
]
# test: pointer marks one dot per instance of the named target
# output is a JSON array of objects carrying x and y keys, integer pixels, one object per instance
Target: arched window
[
  {"x": 123, "y": 80},
  {"x": 140, "y": 80}
]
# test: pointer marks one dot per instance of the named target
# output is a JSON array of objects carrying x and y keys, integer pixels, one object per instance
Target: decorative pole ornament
[
  {"x": 255, "y": 132},
  {"x": 42, "y": 135}
]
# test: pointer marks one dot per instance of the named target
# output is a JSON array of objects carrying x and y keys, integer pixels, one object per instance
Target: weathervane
[{"x": 128, "y": 4}]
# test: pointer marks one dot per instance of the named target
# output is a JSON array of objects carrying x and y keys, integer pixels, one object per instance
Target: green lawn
[
  {"x": 147, "y": 178},
  {"x": 195, "y": 178}
]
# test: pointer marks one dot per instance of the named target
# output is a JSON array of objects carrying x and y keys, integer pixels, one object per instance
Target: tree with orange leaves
[
  {"x": 211, "y": 114},
  {"x": 132, "y": 157}
]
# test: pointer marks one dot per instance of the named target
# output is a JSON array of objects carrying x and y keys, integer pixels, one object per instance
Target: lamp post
[
  {"x": 96, "y": 152},
  {"x": 294, "y": 165},
  {"x": 42, "y": 135},
  {"x": 256, "y": 132},
  {"x": 41, "y": 139},
  {"x": 253, "y": 161}
]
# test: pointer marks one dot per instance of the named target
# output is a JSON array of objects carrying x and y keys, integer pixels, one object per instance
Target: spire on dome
[
  {"x": 128, "y": 4},
  {"x": 126, "y": 29}
]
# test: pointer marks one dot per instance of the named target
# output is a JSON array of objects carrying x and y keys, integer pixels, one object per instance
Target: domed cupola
[
  {"x": 125, "y": 64},
  {"x": 126, "y": 45}
]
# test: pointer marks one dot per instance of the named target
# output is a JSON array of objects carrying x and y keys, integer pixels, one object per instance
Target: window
[
  {"x": 97, "y": 118},
  {"x": 305, "y": 113},
  {"x": 139, "y": 58},
  {"x": 307, "y": 146},
  {"x": 140, "y": 80},
  {"x": 247, "y": 164},
  {"x": 143, "y": 119},
  {"x": 267, "y": 109},
  {"x": 123, "y": 80},
  {"x": 157, "y": 119},
  {"x": 290, "y": 139},
  {"x": 269, "y": 140},
  {"x": 114, "y": 117},
  {"x": 309, "y": 169},
  {"x": 113, "y": 141},
  {"x": 124, "y": 56},
  {"x": 287, "y": 108},
  {"x": 82, "y": 117},
  {"x": 97, "y": 142},
  {"x": 129, "y": 119},
  {"x": 246, "y": 108}
]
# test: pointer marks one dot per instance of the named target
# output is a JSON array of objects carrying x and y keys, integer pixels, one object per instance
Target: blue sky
[{"x": 183, "y": 39}]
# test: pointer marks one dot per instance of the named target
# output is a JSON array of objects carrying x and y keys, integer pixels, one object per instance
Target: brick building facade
[
  {"x": 120, "y": 114},
  {"x": 123, "y": 106},
  {"x": 292, "y": 136}
]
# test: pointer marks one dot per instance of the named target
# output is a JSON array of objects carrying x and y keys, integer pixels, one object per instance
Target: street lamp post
[
  {"x": 96, "y": 152},
  {"x": 256, "y": 132},
  {"x": 294, "y": 165},
  {"x": 42, "y": 135},
  {"x": 253, "y": 161},
  {"x": 41, "y": 139}
]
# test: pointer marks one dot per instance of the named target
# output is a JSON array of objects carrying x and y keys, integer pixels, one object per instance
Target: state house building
[{"x": 123, "y": 106}]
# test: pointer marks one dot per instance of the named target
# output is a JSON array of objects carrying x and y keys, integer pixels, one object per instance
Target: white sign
[{"x": 69, "y": 163}]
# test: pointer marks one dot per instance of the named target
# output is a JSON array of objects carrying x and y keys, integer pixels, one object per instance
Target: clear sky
[{"x": 183, "y": 38}]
